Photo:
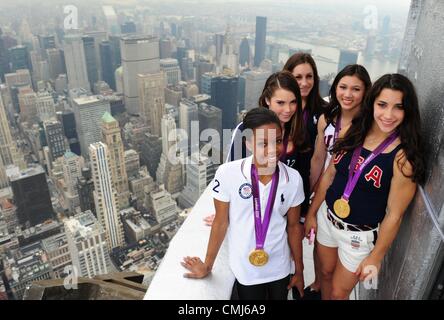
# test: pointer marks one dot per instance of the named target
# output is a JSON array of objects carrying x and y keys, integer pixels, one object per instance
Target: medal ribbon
[
  {"x": 353, "y": 177},
  {"x": 261, "y": 228}
]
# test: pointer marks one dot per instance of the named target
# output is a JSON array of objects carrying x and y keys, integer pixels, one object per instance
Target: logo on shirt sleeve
[{"x": 246, "y": 191}]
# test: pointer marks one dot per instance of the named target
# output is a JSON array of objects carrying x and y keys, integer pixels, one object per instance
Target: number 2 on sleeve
[{"x": 216, "y": 185}]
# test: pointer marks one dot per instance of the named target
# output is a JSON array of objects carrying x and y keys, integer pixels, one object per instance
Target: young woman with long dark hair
[{"x": 362, "y": 196}]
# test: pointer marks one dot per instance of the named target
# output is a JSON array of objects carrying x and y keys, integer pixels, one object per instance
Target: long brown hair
[
  {"x": 315, "y": 104},
  {"x": 409, "y": 129},
  {"x": 285, "y": 80}
]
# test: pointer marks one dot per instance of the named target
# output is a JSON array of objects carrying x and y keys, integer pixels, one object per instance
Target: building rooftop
[
  {"x": 53, "y": 243},
  {"x": 29, "y": 172},
  {"x": 108, "y": 118}
]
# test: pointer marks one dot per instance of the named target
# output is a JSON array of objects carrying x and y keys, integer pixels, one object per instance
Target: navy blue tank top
[{"x": 368, "y": 200}]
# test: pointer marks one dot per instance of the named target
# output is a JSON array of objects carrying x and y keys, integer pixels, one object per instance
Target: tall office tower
[
  {"x": 28, "y": 106},
  {"x": 19, "y": 58},
  {"x": 165, "y": 48},
  {"x": 55, "y": 139},
  {"x": 254, "y": 84},
  {"x": 111, "y": 19},
  {"x": 3, "y": 177},
  {"x": 259, "y": 43},
  {"x": 205, "y": 82},
  {"x": 188, "y": 116},
  {"x": 99, "y": 37},
  {"x": 115, "y": 49},
  {"x": 219, "y": 43},
  {"x": 90, "y": 59},
  {"x": 132, "y": 162},
  {"x": 172, "y": 70},
  {"x": 75, "y": 61},
  {"x": 203, "y": 66},
  {"x": 140, "y": 55},
  {"x": 128, "y": 27},
  {"x": 72, "y": 172},
  {"x": 31, "y": 196},
  {"x": 169, "y": 173},
  {"x": 150, "y": 152},
  {"x": 224, "y": 96},
  {"x": 46, "y": 42},
  {"x": 210, "y": 117},
  {"x": 200, "y": 172},
  {"x": 45, "y": 106},
  {"x": 105, "y": 195},
  {"x": 85, "y": 189},
  {"x": 88, "y": 112},
  {"x": 162, "y": 204},
  {"x": 244, "y": 53},
  {"x": 347, "y": 57},
  {"x": 111, "y": 136},
  {"x": 4, "y": 61},
  {"x": 8, "y": 150},
  {"x": 68, "y": 121},
  {"x": 152, "y": 99},
  {"x": 108, "y": 70},
  {"x": 87, "y": 245}
]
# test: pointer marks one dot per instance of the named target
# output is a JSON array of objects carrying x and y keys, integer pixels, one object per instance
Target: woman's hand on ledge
[{"x": 197, "y": 268}]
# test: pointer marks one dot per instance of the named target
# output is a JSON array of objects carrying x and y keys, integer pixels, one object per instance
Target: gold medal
[
  {"x": 258, "y": 257},
  {"x": 342, "y": 208}
]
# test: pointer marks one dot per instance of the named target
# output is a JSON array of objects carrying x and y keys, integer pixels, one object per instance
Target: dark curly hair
[{"x": 409, "y": 129}]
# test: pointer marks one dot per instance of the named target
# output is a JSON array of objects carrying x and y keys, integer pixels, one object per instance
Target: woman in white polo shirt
[{"x": 257, "y": 201}]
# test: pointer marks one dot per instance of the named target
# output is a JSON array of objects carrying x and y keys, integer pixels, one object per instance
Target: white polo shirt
[{"x": 232, "y": 183}]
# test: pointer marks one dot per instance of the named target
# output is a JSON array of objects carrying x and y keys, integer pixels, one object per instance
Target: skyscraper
[
  {"x": 87, "y": 245},
  {"x": 19, "y": 58},
  {"x": 72, "y": 172},
  {"x": 68, "y": 121},
  {"x": 199, "y": 175},
  {"x": 244, "y": 52},
  {"x": 112, "y": 138},
  {"x": 45, "y": 106},
  {"x": 55, "y": 63},
  {"x": 189, "y": 116},
  {"x": 55, "y": 138},
  {"x": 140, "y": 55},
  {"x": 347, "y": 57},
  {"x": 46, "y": 42},
  {"x": 88, "y": 113},
  {"x": 168, "y": 173},
  {"x": 8, "y": 150},
  {"x": 4, "y": 63},
  {"x": 172, "y": 70},
  {"x": 90, "y": 59},
  {"x": 224, "y": 96},
  {"x": 75, "y": 60},
  {"x": 152, "y": 99},
  {"x": 254, "y": 84},
  {"x": 219, "y": 43},
  {"x": 31, "y": 196},
  {"x": 105, "y": 195},
  {"x": 85, "y": 187},
  {"x": 259, "y": 44},
  {"x": 128, "y": 27},
  {"x": 165, "y": 47},
  {"x": 107, "y": 64}
]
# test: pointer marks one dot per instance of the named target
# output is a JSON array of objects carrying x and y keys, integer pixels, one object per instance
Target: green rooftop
[{"x": 108, "y": 118}]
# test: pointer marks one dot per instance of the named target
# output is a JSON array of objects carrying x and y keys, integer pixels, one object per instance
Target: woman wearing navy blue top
[{"x": 367, "y": 187}]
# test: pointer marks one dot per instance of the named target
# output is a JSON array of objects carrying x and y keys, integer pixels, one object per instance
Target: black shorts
[{"x": 275, "y": 290}]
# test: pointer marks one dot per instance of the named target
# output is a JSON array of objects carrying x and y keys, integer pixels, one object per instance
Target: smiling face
[
  {"x": 350, "y": 92},
  {"x": 267, "y": 146},
  {"x": 388, "y": 110},
  {"x": 305, "y": 77},
  {"x": 283, "y": 103}
]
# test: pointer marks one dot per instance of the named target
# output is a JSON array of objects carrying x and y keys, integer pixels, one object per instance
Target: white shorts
[{"x": 353, "y": 246}]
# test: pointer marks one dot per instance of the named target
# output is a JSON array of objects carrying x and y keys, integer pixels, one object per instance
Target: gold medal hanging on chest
[
  {"x": 342, "y": 208},
  {"x": 258, "y": 257}
]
